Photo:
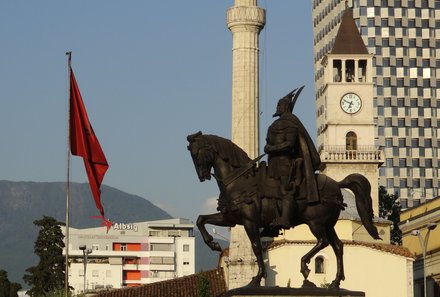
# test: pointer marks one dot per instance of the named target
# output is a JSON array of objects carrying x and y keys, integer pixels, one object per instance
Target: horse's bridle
[{"x": 239, "y": 172}]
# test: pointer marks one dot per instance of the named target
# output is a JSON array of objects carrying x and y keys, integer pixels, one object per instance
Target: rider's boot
[{"x": 284, "y": 221}]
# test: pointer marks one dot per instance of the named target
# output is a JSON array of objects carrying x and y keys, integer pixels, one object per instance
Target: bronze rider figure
[{"x": 292, "y": 158}]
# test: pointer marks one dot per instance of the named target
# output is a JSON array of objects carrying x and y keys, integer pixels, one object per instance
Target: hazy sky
[{"x": 150, "y": 73}]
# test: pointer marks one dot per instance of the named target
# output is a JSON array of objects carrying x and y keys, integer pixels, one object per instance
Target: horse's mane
[{"x": 228, "y": 151}]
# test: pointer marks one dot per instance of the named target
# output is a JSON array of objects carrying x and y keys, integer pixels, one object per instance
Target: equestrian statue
[{"x": 286, "y": 191}]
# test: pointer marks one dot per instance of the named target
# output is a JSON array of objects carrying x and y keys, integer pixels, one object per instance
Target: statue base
[{"x": 289, "y": 292}]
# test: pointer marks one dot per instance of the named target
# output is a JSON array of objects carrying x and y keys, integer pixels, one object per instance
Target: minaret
[{"x": 245, "y": 20}]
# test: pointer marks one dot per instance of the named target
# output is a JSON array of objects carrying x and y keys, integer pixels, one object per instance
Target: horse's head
[{"x": 202, "y": 155}]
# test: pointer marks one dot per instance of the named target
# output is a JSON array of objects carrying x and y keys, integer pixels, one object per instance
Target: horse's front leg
[
  {"x": 216, "y": 219},
  {"x": 253, "y": 233}
]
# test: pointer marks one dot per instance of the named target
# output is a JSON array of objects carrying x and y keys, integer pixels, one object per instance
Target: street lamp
[
  {"x": 424, "y": 245},
  {"x": 86, "y": 252}
]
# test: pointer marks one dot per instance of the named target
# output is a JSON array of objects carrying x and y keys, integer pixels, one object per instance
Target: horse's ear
[{"x": 192, "y": 137}]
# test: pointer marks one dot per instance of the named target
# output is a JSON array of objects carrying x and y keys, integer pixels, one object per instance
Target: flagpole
[{"x": 66, "y": 285}]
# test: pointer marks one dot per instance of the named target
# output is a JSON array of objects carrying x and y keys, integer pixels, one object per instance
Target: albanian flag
[{"x": 83, "y": 143}]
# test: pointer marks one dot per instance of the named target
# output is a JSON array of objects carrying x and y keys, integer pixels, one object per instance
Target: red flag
[{"x": 83, "y": 143}]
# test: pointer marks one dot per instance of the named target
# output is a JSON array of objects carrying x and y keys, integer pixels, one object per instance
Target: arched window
[
  {"x": 351, "y": 141},
  {"x": 319, "y": 264}
]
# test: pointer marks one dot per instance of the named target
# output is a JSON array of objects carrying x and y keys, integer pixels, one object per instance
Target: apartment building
[{"x": 130, "y": 254}]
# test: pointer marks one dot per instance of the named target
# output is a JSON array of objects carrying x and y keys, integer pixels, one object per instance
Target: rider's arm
[{"x": 291, "y": 137}]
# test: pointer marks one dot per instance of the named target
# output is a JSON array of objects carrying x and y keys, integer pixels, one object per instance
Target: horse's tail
[{"x": 361, "y": 188}]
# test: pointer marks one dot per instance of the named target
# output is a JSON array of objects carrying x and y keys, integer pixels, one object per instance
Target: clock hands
[{"x": 349, "y": 102}]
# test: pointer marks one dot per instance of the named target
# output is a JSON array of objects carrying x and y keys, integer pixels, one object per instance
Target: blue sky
[{"x": 150, "y": 73}]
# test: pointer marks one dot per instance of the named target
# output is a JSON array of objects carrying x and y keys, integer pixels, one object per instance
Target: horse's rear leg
[
  {"x": 214, "y": 219},
  {"x": 338, "y": 248},
  {"x": 253, "y": 233},
  {"x": 320, "y": 234}
]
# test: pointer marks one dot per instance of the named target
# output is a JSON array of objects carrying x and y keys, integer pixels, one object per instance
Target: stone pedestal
[{"x": 290, "y": 292}]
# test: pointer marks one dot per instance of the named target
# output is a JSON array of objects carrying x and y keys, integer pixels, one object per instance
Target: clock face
[{"x": 351, "y": 103}]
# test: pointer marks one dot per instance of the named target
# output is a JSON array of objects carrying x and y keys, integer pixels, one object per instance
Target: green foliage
[
  {"x": 203, "y": 286},
  {"x": 8, "y": 289},
  {"x": 389, "y": 208},
  {"x": 59, "y": 293},
  {"x": 48, "y": 277}
]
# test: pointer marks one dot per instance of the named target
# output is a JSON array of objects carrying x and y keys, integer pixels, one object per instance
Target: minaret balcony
[{"x": 340, "y": 154}]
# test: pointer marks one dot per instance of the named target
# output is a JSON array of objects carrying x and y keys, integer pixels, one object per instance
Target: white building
[{"x": 131, "y": 254}]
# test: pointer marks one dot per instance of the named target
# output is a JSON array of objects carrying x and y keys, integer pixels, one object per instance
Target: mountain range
[{"x": 21, "y": 203}]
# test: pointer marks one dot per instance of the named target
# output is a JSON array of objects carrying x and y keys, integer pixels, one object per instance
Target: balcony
[{"x": 364, "y": 154}]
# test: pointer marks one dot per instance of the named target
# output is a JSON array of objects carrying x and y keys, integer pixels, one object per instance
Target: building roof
[
  {"x": 186, "y": 286},
  {"x": 349, "y": 40},
  {"x": 428, "y": 207},
  {"x": 388, "y": 248}
]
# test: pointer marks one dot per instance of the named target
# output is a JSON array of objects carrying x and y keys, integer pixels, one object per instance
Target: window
[
  {"x": 428, "y": 183},
  {"x": 416, "y": 183},
  {"x": 160, "y": 247},
  {"x": 428, "y": 163},
  {"x": 404, "y": 203},
  {"x": 95, "y": 273},
  {"x": 403, "y": 183},
  {"x": 123, "y": 246},
  {"x": 351, "y": 141},
  {"x": 402, "y": 162},
  {"x": 186, "y": 247},
  {"x": 153, "y": 233},
  {"x": 319, "y": 264}
]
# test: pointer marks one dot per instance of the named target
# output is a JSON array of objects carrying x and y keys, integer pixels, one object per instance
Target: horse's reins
[{"x": 236, "y": 174}]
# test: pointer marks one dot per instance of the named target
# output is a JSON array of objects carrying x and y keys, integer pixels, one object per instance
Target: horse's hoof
[
  {"x": 305, "y": 272},
  {"x": 308, "y": 284},
  {"x": 215, "y": 246},
  {"x": 334, "y": 285}
]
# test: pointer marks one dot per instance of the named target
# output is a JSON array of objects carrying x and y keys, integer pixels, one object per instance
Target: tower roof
[{"x": 349, "y": 40}]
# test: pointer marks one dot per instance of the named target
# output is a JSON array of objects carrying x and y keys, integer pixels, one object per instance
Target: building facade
[
  {"x": 131, "y": 254},
  {"x": 420, "y": 226},
  {"x": 404, "y": 37}
]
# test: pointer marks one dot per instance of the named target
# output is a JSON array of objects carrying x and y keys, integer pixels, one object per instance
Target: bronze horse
[{"x": 242, "y": 202}]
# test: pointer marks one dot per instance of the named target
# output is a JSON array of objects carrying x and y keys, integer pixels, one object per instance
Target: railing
[{"x": 363, "y": 153}]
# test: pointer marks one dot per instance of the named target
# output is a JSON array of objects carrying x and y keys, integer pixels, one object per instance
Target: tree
[
  {"x": 203, "y": 286},
  {"x": 389, "y": 209},
  {"x": 8, "y": 289},
  {"x": 49, "y": 274}
]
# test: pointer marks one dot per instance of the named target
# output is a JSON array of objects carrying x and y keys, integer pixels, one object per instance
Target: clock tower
[{"x": 345, "y": 111}]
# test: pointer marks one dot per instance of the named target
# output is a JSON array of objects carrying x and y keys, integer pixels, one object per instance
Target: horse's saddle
[{"x": 271, "y": 188}]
